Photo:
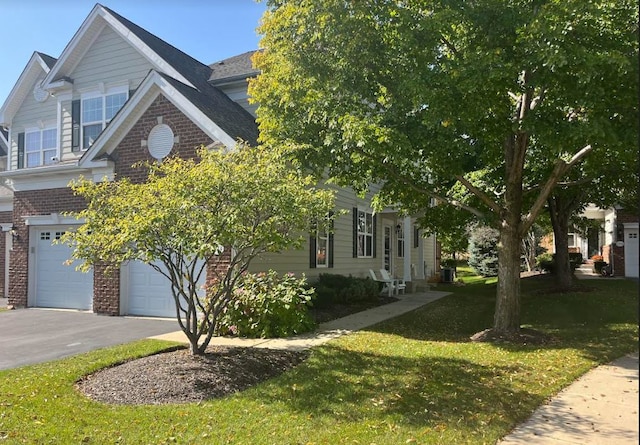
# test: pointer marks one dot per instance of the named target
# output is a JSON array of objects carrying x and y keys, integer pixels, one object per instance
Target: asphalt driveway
[{"x": 30, "y": 336}]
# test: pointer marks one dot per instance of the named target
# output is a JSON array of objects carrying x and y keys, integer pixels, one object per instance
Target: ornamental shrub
[
  {"x": 268, "y": 305},
  {"x": 545, "y": 262},
  {"x": 483, "y": 251},
  {"x": 343, "y": 289}
]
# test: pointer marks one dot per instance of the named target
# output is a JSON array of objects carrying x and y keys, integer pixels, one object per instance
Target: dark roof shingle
[
  {"x": 233, "y": 68},
  {"x": 228, "y": 115},
  {"x": 50, "y": 61},
  {"x": 194, "y": 71}
]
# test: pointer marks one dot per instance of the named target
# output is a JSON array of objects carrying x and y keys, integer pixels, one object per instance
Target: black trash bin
[{"x": 447, "y": 274}]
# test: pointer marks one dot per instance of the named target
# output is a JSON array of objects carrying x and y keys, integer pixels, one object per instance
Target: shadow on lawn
[
  {"x": 427, "y": 391},
  {"x": 599, "y": 323}
]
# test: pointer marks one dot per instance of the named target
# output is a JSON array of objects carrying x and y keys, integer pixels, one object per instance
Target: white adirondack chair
[
  {"x": 388, "y": 284},
  {"x": 398, "y": 284}
]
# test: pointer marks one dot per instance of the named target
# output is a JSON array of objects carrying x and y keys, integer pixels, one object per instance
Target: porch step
[{"x": 416, "y": 286}]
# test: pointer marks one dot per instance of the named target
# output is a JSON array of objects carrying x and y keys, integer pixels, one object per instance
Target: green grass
[{"x": 413, "y": 379}]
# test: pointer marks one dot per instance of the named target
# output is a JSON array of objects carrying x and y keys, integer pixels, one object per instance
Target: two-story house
[{"x": 118, "y": 95}]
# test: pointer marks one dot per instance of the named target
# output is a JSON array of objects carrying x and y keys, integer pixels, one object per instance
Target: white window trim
[
  {"x": 365, "y": 234},
  {"x": 400, "y": 241},
  {"x": 322, "y": 234},
  {"x": 40, "y": 130},
  {"x": 100, "y": 93}
]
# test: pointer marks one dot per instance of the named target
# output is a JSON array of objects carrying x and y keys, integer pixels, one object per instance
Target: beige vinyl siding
[
  {"x": 430, "y": 256},
  {"x": 110, "y": 60},
  {"x": 29, "y": 115},
  {"x": 238, "y": 93},
  {"x": 297, "y": 261},
  {"x": 65, "y": 131}
]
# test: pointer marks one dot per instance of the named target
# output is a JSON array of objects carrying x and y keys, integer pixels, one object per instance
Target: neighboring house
[
  {"x": 616, "y": 240},
  {"x": 118, "y": 95}
]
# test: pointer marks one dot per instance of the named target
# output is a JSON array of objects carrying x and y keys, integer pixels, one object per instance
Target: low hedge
[{"x": 335, "y": 288}]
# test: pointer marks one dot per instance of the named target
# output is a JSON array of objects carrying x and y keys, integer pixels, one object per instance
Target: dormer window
[{"x": 97, "y": 112}]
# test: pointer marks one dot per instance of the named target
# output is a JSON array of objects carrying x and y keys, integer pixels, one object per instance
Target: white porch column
[{"x": 408, "y": 242}]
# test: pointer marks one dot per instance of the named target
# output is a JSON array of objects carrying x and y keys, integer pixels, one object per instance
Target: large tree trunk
[
  {"x": 560, "y": 211},
  {"x": 507, "y": 314}
]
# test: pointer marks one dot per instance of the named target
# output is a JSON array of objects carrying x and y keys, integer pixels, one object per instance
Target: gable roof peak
[{"x": 164, "y": 57}]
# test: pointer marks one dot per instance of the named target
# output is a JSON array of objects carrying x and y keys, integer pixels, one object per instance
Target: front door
[{"x": 388, "y": 242}]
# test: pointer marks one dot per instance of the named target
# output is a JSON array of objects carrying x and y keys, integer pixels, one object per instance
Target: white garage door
[
  {"x": 631, "y": 252},
  {"x": 149, "y": 292},
  {"x": 57, "y": 284}
]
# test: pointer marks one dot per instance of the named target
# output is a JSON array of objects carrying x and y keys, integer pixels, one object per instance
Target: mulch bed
[{"x": 176, "y": 376}]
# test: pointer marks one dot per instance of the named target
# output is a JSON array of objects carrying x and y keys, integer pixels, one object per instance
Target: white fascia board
[
  {"x": 53, "y": 219},
  {"x": 41, "y": 178},
  {"x": 75, "y": 42},
  {"x": 196, "y": 116},
  {"x": 23, "y": 87},
  {"x": 123, "y": 121},
  {"x": 92, "y": 26},
  {"x": 157, "y": 61}
]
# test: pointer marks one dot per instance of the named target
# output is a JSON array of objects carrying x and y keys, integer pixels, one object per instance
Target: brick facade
[{"x": 130, "y": 151}]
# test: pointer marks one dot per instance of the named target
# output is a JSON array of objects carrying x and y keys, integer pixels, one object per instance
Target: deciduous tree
[
  {"x": 428, "y": 95},
  {"x": 212, "y": 216}
]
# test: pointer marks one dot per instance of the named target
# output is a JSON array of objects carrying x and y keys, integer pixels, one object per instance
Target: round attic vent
[
  {"x": 39, "y": 93},
  {"x": 160, "y": 141}
]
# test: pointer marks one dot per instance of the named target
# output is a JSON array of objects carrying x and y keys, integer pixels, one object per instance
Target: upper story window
[
  {"x": 97, "y": 112},
  {"x": 40, "y": 146}
]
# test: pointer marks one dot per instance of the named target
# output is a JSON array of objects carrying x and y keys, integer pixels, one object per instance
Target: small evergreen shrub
[
  {"x": 545, "y": 262},
  {"x": 268, "y": 305},
  {"x": 575, "y": 260},
  {"x": 483, "y": 251},
  {"x": 344, "y": 289}
]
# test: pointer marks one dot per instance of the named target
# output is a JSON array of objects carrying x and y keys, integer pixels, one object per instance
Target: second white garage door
[{"x": 149, "y": 292}]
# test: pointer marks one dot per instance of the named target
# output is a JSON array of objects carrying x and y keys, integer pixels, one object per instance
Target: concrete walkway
[
  {"x": 600, "y": 408},
  {"x": 326, "y": 331}
]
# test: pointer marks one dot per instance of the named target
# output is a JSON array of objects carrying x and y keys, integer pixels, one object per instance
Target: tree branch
[
  {"x": 479, "y": 193},
  {"x": 412, "y": 185},
  {"x": 449, "y": 45},
  {"x": 559, "y": 170}
]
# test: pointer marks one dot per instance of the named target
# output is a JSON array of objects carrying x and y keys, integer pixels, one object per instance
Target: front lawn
[{"x": 414, "y": 379}]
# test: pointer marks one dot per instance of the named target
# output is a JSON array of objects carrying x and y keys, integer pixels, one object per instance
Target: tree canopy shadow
[{"x": 423, "y": 390}]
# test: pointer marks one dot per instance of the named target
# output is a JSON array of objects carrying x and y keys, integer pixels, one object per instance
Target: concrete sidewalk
[
  {"x": 326, "y": 331},
  {"x": 599, "y": 408}
]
